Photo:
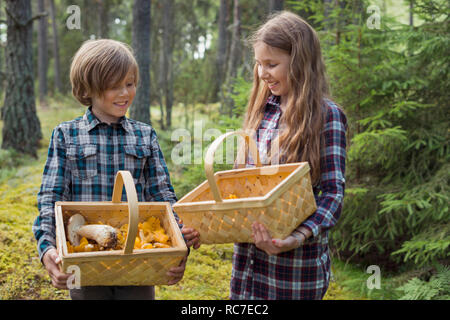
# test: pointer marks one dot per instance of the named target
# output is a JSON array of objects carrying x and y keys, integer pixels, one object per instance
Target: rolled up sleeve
[{"x": 332, "y": 179}]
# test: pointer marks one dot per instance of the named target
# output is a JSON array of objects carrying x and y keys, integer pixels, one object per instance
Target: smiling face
[
  {"x": 114, "y": 102},
  {"x": 273, "y": 68}
]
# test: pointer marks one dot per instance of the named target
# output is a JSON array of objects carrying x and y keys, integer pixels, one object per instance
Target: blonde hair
[
  {"x": 99, "y": 65},
  {"x": 303, "y": 119}
]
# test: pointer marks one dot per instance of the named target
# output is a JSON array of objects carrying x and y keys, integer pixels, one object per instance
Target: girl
[{"x": 288, "y": 105}]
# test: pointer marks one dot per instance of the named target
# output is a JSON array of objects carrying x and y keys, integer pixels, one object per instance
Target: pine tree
[{"x": 393, "y": 84}]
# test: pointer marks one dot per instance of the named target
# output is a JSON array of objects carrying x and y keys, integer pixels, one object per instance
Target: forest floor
[{"x": 22, "y": 275}]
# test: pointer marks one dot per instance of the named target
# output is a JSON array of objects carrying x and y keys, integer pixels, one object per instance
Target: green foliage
[
  {"x": 240, "y": 96},
  {"x": 427, "y": 246},
  {"x": 352, "y": 278},
  {"x": 394, "y": 86},
  {"x": 436, "y": 288},
  {"x": 10, "y": 158}
]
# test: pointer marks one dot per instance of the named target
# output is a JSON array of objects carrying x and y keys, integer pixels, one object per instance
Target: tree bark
[
  {"x": 276, "y": 5},
  {"x": 235, "y": 49},
  {"x": 56, "y": 60},
  {"x": 221, "y": 56},
  {"x": 141, "y": 44},
  {"x": 22, "y": 129},
  {"x": 161, "y": 79},
  {"x": 411, "y": 13},
  {"x": 2, "y": 77},
  {"x": 235, "y": 55},
  {"x": 42, "y": 37},
  {"x": 328, "y": 7},
  {"x": 167, "y": 45},
  {"x": 103, "y": 18}
]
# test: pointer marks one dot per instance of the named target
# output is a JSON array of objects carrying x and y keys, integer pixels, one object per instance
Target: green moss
[{"x": 207, "y": 275}]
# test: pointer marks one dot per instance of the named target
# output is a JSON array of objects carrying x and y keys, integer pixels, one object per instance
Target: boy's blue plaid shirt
[{"x": 83, "y": 157}]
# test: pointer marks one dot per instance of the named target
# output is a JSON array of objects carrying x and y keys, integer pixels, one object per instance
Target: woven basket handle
[
  {"x": 124, "y": 178},
  {"x": 209, "y": 159}
]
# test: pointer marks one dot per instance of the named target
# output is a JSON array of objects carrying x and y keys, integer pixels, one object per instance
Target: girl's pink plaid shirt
[{"x": 303, "y": 273}]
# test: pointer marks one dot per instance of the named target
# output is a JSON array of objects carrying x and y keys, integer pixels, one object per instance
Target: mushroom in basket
[{"x": 104, "y": 235}]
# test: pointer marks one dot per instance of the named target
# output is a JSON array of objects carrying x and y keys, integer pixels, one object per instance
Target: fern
[{"x": 437, "y": 288}]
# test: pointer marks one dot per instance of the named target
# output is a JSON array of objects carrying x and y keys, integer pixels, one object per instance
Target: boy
[{"x": 85, "y": 154}]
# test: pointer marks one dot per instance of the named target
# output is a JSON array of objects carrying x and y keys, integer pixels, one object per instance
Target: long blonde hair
[{"x": 304, "y": 115}]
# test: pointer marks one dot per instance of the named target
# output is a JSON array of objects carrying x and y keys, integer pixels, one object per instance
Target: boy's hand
[
  {"x": 264, "y": 241},
  {"x": 191, "y": 236},
  {"x": 176, "y": 273},
  {"x": 51, "y": 260}
]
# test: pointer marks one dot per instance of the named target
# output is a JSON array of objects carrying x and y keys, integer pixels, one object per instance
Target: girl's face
[
  {"x": 273, "y": 68},
  {"x": 115, "y": 101}
]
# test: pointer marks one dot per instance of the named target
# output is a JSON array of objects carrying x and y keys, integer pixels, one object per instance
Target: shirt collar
[
  {"x": 273, "y": 102},
  {"x": 92, "y": 121}
]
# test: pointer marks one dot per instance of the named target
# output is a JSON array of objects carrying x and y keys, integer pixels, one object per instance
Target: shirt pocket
[
  {"x": 135, "y": 159},
  {"x": 82, "y": 160}
]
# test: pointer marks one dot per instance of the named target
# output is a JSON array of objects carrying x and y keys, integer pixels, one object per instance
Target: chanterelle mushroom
[{"x": 104, "y": 235}]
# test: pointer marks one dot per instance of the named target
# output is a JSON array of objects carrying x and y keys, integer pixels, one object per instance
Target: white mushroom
[
  {"x": 75, "y": 222},
  {"x": 104, "y": 235}
]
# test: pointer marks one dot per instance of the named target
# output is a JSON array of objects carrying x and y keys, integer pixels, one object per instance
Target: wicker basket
[
  {"x": 128, "y": 266},
  {"x": 279, "y": 196}
]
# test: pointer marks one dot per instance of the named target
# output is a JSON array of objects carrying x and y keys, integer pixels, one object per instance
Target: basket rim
[
  {"x": 180, "y": 249},
  {"x": 249, "y": 202},
  {"x": 118, "y": 254}
]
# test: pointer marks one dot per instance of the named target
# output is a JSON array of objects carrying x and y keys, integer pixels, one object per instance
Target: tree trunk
[
  {"x": 235, "y": 50},
  {"x": 42, "y": 36},
  {"x": 358, "y": 107},
  {"x": 221, "y": 56},
  {"x": 411, "y": 13},
  {"x": 2, "y": 76},
  {"x": 22, "y": 129},
  {"x": 235, "y": 55},
  {"x": 103, "y": 17},
  {"x": 167, "y": 45},
  {"x": 328, "y": 8},
  {"x": 57, "y": 71},
  {"x": 85, "y": 21},
  {"x": 276, "y": 5},
  {"x": 161, "y": 82},
  {"x": 141, "y": 44}
]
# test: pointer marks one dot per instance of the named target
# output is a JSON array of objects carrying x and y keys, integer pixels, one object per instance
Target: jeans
[{"x": 113, "y": 293}]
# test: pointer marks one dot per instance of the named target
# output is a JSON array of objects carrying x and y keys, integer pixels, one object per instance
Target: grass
[
  {"x": 353, "y": 280},
  {"x": 22, "y": 276}
]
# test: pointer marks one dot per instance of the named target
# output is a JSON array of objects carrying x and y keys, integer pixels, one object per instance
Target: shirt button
[
  {"x": 111, "y": 158},
  {"x": 251, "y": 261}
]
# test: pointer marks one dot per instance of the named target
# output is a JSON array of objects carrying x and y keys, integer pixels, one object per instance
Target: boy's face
[{"x": 115, "y": 101}]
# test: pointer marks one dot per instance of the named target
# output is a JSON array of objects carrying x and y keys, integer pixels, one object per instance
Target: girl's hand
[
  {"x": 177, "y": 273},
  {"x": 191, "y": 236},
  {"x": 264, "y": 241}
]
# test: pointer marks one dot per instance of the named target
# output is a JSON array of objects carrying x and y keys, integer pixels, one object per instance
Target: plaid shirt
[
  {"x": 302, "y": 273},
  {"x": 83, "y": 158}
]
